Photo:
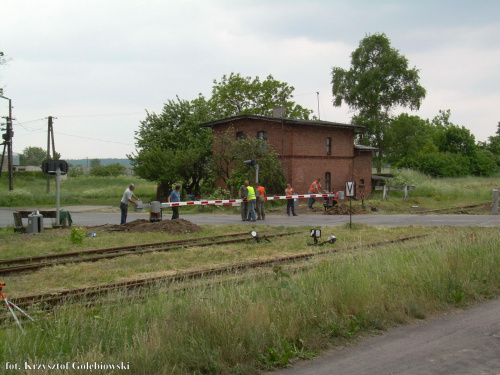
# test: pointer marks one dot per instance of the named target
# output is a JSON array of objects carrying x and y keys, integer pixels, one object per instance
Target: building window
[
  {"x": 328, "y": 146},
  {"x": 262, "y": 136},
  {"x": 241, "y": 135},
  {"x": 328, "y": 182}
]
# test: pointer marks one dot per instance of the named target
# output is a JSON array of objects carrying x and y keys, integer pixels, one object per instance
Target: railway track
[
  {"x": 11, "y": 266},
  {"x": 47, "y": 301}
]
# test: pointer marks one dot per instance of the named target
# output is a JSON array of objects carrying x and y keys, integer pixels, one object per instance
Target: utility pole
[
  {"x": 50, "y": 135},
  {"x": 319, "y": 116},
  {"x": 7, "y": 137}
]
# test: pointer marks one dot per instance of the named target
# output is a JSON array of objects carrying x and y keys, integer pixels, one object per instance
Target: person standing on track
[{"x": 126, "y": 199}]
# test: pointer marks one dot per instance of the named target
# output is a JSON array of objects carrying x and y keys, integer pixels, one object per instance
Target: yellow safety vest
[{"x": 251, "y": 193}]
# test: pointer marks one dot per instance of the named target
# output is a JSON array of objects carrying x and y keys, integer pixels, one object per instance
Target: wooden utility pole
[{"x": 9, "y": 133}]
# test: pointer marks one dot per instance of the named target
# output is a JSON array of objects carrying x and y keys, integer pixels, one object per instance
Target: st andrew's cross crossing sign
[{"x": 350, "y": 189}]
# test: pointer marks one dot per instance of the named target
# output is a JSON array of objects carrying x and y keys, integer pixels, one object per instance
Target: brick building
[{"x": 308, "y": 149}]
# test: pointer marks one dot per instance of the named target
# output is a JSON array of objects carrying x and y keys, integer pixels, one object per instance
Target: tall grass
[
  {"x": 242, "y": 328},
  {"x": 31, "y": 190},
  {"x": 468, "y": 188}
]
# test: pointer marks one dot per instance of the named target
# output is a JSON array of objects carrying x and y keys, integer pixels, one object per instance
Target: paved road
[
  {"x": 88, "y": 216},
  {"x": 462, "y": 343}
]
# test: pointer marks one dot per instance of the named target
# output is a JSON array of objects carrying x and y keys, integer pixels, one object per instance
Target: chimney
[{"x": 279, "y": 112}]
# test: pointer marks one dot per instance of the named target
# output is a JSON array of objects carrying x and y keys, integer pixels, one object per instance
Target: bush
[
  {"x": 441, "y": 164},
  {"x": 77, "y": 235},
  {"x": 484, "y": 163}
]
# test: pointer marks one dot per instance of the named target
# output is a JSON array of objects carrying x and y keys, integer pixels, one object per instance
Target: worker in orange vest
[
  {"x": 290, "y": 203},
  {"x": 315, "y": 188},
  {"x": 261, "y": 195}
]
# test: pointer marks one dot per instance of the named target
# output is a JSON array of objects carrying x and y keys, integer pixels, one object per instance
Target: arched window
[
  {"x": 328, "y": 182},
  {"x": 328, "y": 146}
]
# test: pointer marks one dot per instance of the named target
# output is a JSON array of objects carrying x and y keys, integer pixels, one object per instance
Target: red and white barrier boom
[{"x": 235, "y": 202}]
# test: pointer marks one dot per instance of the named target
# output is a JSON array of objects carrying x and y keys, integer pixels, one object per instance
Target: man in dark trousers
[
  {"x": 243, "y": 194},
  {"x": 175, "y": 196},
  {"x": 126, "y": 199}
]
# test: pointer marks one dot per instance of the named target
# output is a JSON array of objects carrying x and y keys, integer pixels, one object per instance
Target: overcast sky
[{"x": 98, "y": 65}]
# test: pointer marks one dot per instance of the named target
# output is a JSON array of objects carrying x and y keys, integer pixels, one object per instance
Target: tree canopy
[
  {"x": 172, "y": 148},
  {"x": 237, "y": 95},
  {"x": 438, "y": 148},
  {"x": 378, "y": 81},
  {"x": 35, "y": 156}
]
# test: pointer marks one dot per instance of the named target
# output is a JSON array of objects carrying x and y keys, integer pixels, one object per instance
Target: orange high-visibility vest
[{"x": 312, "y": 189}]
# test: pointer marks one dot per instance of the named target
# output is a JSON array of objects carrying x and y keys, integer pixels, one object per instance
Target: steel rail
[
  {"x": 72, "y": 294},
  {"x": 109, "y": 249},
  {"x": 126, "y": 251}
]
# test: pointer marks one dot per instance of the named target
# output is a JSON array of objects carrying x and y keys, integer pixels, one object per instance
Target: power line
[
  {"x": 94, "y": 139},
  {"x": 105, "y": 115}
]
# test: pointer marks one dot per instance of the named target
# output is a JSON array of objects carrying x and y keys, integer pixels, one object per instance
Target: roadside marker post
[{"x": 350, "y": 191}]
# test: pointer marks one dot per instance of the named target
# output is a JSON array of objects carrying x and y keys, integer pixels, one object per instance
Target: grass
[
  {"x": 257, "y": 320},
  {"x": 30, "y": 190},
  {"x": 263, "y": 321}
]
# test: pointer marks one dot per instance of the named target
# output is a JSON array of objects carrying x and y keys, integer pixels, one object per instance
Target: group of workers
[
  {"x": 254, "y": 198},
  {"x": 252, "y": 207}
]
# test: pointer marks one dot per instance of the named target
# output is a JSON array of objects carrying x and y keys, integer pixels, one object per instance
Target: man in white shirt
[{"x": 126, "y": 199}]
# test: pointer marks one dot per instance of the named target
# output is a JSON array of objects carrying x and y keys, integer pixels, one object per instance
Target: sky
[{"x": 97, "y": 66}]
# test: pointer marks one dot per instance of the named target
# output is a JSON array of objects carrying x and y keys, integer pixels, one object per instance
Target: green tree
[
  {"x": 378, "y": 81},
  {"x": 35, "y": 156},
  {"x": 95, "y": 163},
  {"x": 172, "y": 147},
  {"x": 236, "y": 95},
  {"x": 271, "y": 174},
  {"x": 405, "y": 137}
]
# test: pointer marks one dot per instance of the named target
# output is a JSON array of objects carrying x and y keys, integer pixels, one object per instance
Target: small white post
[{"x": 494, "y": 204}]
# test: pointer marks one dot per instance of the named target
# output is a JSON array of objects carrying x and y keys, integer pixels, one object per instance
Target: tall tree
[
  {"x": 405, "y": 137},
  {"x": 378, "y": 81},
  {"x": 236, "y": 95},
  {"x": 35, "y": 156},
  {"x": 172, "y": 147}
]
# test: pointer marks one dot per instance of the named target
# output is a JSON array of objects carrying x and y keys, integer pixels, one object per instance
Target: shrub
[{"x": 77, "y": 235}]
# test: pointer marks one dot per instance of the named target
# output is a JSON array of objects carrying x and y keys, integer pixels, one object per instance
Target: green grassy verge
[{"x": 271, "y": 317}]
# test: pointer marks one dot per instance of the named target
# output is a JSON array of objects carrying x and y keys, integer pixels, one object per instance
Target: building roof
[
  {"x": 365, "y": 148},
  {"x": 287, "y": 121}
]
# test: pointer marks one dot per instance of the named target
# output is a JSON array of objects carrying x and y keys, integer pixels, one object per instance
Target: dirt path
[{"x": 465, "y": 342}]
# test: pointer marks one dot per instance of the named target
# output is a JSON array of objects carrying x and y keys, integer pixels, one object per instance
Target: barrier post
[{"x": 494, "y": 204}]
